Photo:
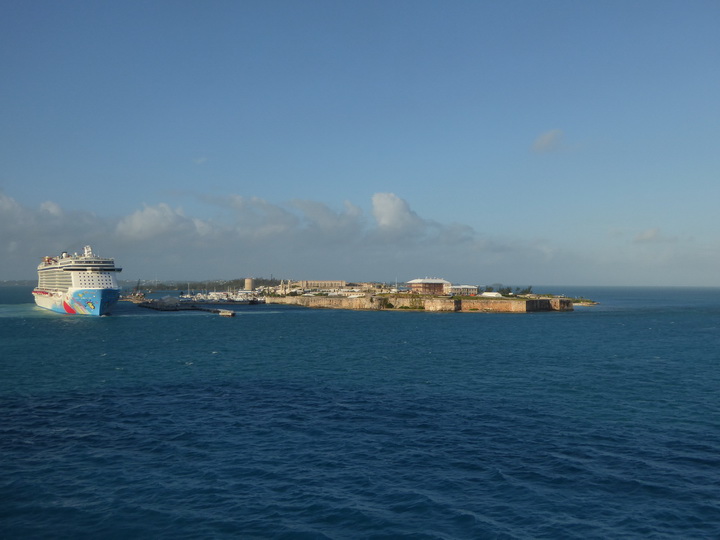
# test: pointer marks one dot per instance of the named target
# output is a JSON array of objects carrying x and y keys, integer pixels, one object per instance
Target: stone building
[
  {"x": 429, "y": 286},
  {"x": 312, "y": 285},
  {"x": 464, "y": 290}
]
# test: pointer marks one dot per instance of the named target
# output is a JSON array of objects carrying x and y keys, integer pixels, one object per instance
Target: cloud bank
[
  {"x": 306, "y": 239},
  {"x": 653, "y": 236},
  {"x": 249, "y": 236}
]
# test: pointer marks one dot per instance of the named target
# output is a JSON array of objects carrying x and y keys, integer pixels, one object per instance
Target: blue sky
[{"x": 521, "y": 142}]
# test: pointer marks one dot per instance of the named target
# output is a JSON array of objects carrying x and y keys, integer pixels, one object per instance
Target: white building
[{"x": 463, "y": 290}]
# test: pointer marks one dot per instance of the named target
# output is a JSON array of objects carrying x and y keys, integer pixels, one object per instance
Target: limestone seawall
[{"x": 469, "y": 305}]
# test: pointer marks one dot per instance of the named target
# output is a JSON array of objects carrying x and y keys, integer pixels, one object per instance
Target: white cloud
[
  {"x": 51, "y": 208},
  {"x": 549, "y": 141},
  {"x": 203, "y": 228},
  {"x": 8, "y": 206},
  {"x": 318, "y": 219},
  {"x": 153, "y": 221},
  {"x": 393, "y": 214},
  {"x": 256, "y": 219},
  {"x": 653, "y": 236}
]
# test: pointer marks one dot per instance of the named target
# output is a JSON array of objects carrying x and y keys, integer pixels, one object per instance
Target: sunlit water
[{"x": 289, "y": 422}]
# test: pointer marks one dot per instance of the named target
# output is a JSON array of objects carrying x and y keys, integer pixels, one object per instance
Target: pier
[{"x": 159, "y": 305}]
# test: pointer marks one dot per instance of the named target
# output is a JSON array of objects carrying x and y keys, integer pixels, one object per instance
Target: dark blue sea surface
[{"x": 286, "y": 422}]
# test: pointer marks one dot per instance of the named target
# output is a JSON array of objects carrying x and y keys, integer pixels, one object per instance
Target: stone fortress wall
[{"x": 469, "y": 305}]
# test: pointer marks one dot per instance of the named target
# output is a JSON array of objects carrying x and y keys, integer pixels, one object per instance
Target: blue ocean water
[{"x": 286, "y": 422}]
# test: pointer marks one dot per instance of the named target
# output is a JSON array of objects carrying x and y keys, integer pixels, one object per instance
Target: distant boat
[{"x": 77, "y": 284}]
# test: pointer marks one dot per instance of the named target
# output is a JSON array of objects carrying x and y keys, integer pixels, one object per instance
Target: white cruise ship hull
[
  {"x": 77, "y": 284},
  {"x": 78, "y": 301}
]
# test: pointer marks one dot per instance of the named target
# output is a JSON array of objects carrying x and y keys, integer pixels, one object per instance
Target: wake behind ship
[{"x": 77, "y": 284}]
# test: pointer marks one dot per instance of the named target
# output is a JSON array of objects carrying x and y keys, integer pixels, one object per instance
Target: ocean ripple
[{"x": 401, "y": 437}]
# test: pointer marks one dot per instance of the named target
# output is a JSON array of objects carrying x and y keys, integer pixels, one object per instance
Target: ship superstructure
[{"x": 77, "y": 284}]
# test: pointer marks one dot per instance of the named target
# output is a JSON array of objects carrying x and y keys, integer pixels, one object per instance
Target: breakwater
[
  {"x": 159, "y": 305},
  {"x": 405, "y": 302}
]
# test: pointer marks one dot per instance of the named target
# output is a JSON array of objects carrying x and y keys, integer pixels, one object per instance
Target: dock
[{"x": 159, "y": 305}]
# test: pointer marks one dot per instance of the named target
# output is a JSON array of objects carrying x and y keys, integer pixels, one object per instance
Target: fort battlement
[{"x": 411, "y": 302}]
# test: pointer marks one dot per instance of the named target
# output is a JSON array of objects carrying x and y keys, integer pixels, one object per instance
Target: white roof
[{"x": 430, "y": 280}]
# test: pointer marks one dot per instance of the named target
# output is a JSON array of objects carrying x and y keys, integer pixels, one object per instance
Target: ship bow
[{"x": 91, "y": 301}]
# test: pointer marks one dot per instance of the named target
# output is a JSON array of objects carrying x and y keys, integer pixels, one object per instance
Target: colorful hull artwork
[{"x": 79, "y": 301}]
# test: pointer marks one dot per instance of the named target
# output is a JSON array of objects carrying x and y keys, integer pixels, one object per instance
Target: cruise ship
[{"x": 77, "y": 284}]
